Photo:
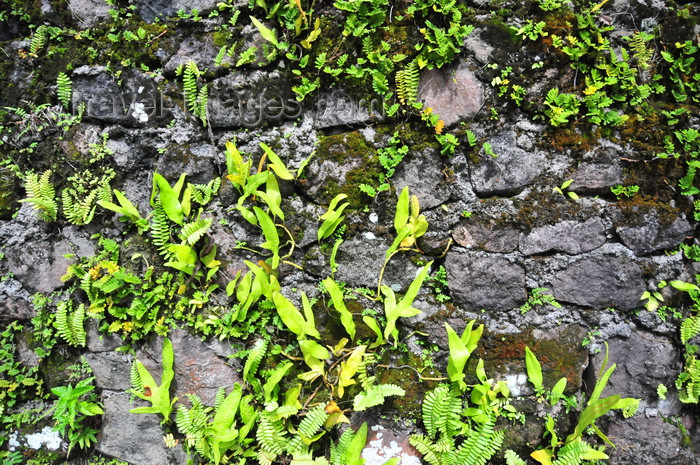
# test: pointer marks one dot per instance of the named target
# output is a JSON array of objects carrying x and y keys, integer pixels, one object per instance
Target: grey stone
[
  {"x": 250, "y": 99},
  {"x": 360, "y": 261},
  {"x": 455, "y": 95},
  {"x": 384, "y": 443},
  {"x": 655, "y": 440},
  {"x": 202, "y": 52},
  {"x": 36, "y": 256},
  {"x": 571, "y": 237},
  {"x": 111, "y": 370},
  {"x": 652, "y": 235},
  {"x": 152, "y": 9},
  {"x": 423, "y": 174},
  {"x": 643, "y": 362},
  {"x": 485, "y": 282},
  {"x": 510, "y": 171},
  {"x": 600, "y": 281},
  {"x": 197, "y": 368},
  {"x": 198, "y": 161},
  {"x": 480, "y": 49},
  {"x": 137, "y": 102},
  {"x": 596, "y": 178},
  {"x": 486, "y": 236},
  {"x": 15, "y": 301},
  {"x": 89, "y": 12},
  {"x": 133, "y": 437},
  {"x": 339, "y": 108}
]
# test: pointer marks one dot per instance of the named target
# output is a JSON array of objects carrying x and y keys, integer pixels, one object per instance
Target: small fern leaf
[
  {"x": 426, "y": 447},
  {"x": 254, "y": 358},
  {"x": 64, "y": 91},
  {"x": 513, "y": 459},
  {"x": 194, "y": 231},
  {"x": 690, "y": 327}
]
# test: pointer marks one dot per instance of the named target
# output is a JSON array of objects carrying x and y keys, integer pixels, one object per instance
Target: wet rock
[
  {"x": 198, "y": 161},
  {"x": 654, "y": 440},
  {"x": 484, "y": 281},
  {"x": 342, "y": 162},
  {"x": 423, "y": 174},
  {"x": 89, "y": 12},
  {"x": 509, "y": 172},
  {"x": 137, "y": 102},
  {"x": 202, "y": 52},
  {"x": 490, "y": 237},
  {"x": 643, "y": 362},
  {"x": 360, "y": 261},
  {"x": 456, "y": 94},
  {"x": 652, "y": 235},
  {"x": 600, "y": 281},
  {"x": 15, "y": 301},
  {"x": 133, "y": 437},
  {"x": 571, "y": 237},
  {"x": 111, "y": 370}
]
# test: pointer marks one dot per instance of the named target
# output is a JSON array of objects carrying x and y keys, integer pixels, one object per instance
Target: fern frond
[
  {"x": 192, "y": 232},
  {"x": 41, "y": 194},
  {"x": 513, "y": 459},
  {"x": 69, "y": 323},
  {"x": 189, "y": 78},
  {"x": 160, "y": 229},
  {"x": 254, "y": 358},
  {"x": 481, "y": 444},
  {"x": 441, "y": 411},
  {"x": 375, "y": 395},
  {"x": 407, "y": 81},
  {"x": 203, "y": 193},
  {"x": 65, "y": 90},
  {"x": 426, "y": 447},
  {"x": 202, "y": 101},
  {"x": 39, "y": 40},
  {"x": 572, "y": 453},
  {"x": 271, "y": 436},
  {"x": 690, "y": 327},
  {"x": 308, "y": 428},
  {"x": 136, "y": 383}
]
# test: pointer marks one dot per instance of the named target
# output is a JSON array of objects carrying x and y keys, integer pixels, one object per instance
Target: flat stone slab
[
  {"x": 510, "y": 171},
  {"x": 600, "y": 282},
  {"x": 571, "y": 237},
  {"x": 454, "y": 95},
  {"x": 485, "y": 282}
]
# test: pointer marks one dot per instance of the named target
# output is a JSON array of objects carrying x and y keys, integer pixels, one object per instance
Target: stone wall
[{"x": 497, "y": 224}]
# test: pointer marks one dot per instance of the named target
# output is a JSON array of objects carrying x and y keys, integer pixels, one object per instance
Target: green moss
[{"x": 349, "y": 149}]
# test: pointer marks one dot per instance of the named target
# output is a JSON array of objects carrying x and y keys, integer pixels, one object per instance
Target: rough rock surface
[
  {"x": 485, "y": 282},
  {"x": 456, "y": 95},
  {"x": 567, "y": 236},
  {"x": 600, "y": 281},
  {"x": 509, "y": 172}
]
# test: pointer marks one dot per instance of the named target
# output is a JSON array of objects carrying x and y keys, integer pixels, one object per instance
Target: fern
[
  {"x": 513, "y": 459},
  {"x": 271, "y": 437},
  {"x": 481, "y": 444},
  {"x": 196, "y": 97},
  {"x": 69, "y": 323},
  {"x": 203, "y": 193},
  {"x": 308, "y": 428},
  {"x": 348, "y": 449},
  {"x": 253, "y": 361},
  {"x": 572, "y": 453},
  {"x": 407, "y": 81},
  {"x": 690, "y": 327},
  {"x": 425, "y": 446},
  {"x": 375, "y": 395},
  {"x": 688, "y": 381},
  {"x": 160, "y": 229},
  {"x": 39, "y": 40},
  {"x": 41, "y": 194},
  {"x": 640, "y": 51},
  {"x": 192, "y": 232},
  {"x": 441, "y": 411},
  {"x": 80, "y": 197},
  {"x": 64, "y": 89}
]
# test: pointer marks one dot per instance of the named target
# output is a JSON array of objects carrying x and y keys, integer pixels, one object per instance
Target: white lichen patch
[
  {"x": 46, "y": 438},
  {"x": 377, "y": 453},
  {"x": 517, "y": 383}
]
